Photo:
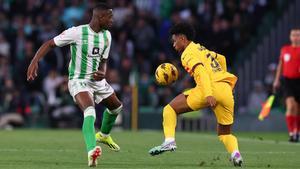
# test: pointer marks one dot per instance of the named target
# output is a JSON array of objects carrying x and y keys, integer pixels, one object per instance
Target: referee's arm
[{"x": 276, "y": 83}]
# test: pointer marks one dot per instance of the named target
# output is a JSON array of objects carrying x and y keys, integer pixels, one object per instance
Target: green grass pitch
[{"x": 62, "y": 149}]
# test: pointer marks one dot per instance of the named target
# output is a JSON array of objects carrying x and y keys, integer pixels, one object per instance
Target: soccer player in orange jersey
[{"x": 213, "y": 89}]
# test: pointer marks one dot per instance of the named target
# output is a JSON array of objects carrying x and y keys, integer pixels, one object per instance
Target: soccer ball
[{"x": 166, "y": 74}]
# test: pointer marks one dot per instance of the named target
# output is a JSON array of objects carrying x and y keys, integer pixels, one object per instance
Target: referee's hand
[{"x": 276, "y": 85}]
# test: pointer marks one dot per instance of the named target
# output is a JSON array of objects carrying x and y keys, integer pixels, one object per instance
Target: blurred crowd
[
  {"x": 140, "y": 43},
  {"x": 260, "y": 92}
]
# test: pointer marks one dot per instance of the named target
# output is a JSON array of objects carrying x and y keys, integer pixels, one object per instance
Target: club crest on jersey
[{"x": 286, "y": 57}]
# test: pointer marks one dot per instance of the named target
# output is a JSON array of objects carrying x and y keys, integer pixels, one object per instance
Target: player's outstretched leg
[
  {"x": 109, "y": 118},
  {"x": 107, "y": 140},
  {"x": 93, "y": 155},
  {"x": 177, "y": 106},
  {"x": 169, "y": 125},
  {"x": 236, "y": 158},
  {"x": 230, "y": 143},
  {"x": 165, "y": 146},
  {"x": 88, "y": 130}
]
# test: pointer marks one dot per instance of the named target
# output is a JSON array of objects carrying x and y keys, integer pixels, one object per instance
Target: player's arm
[
  {"x": 202, "y": 79},
  {"x": 195, "y": 66},
  {"x": 65, "y": 38},
  {"x": 201, "y": 76},
  {"x": 43, "y": 50},
  {"x": 100, "y": 74}
]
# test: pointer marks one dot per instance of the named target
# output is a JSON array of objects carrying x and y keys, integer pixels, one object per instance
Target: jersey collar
[{"x": 188, "y": 48}]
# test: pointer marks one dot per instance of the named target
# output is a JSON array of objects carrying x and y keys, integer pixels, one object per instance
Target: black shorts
[{"x": 291, "y": 87}]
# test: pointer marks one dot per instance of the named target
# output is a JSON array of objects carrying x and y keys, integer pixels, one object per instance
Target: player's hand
[
  {"x": 99, "y": 75},
  {"x": 276, "y": 85},
  {"x": 32, "y": 71},
  {"x": 211, "y": 101}
]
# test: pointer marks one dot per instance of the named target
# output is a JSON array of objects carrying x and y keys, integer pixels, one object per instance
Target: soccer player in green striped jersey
[{"x": 89, "y": 46}]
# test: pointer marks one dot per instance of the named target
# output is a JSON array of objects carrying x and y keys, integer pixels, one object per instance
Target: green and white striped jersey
[{"x": 87, "y": 47}]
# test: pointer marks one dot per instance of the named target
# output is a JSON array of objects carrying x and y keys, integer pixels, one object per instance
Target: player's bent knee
[
  {"x": 117, "y": 110},
  {"x": 90, "y": 111},
  {"x": 224, "y": 129}
]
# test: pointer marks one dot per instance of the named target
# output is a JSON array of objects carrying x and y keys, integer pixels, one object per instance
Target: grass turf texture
[{"x": 24, "y": 149}]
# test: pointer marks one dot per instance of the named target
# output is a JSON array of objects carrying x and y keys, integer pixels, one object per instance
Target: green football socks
[
  {"x": 108, "y": 121},
  {"x": 88, "y": 128}
]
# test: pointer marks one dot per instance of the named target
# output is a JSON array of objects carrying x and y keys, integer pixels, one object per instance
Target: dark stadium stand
[{"x": 140, "y": 43}]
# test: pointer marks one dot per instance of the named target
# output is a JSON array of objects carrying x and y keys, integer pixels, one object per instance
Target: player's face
[
  {"x": 107, "y": 19},
  {"x": 178, "y": 43},
  {"x": 295, "y": 37}
]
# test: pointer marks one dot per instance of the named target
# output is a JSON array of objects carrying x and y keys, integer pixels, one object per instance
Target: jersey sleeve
[
  {"x": 202, "y": 79},
  {"x": 107, "y": 48},
  {"x": 188, "y": 61},
  {"x": 195, "y": 67},
  {"x": 66, "y": 37}
]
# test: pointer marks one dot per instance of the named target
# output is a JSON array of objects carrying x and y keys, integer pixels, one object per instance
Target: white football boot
[
  {"x": 237, "y": 159},
  {"x": 93, "y": 155}
]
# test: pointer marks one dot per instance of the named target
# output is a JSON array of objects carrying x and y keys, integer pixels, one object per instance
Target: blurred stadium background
[{"x": 248, "y": 32}]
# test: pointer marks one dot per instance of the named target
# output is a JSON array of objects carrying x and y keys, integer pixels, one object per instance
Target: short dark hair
[
  {"x": 184, "y": 29},
  {"x": 295, "y": 29},
  {"x": 101, "y": 6}
]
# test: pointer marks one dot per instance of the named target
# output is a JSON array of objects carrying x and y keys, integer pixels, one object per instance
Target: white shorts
[{"x": 98, "y": 89}]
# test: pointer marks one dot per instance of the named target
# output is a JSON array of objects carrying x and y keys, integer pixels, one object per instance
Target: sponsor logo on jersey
[{"x": 95, "y": 52}]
